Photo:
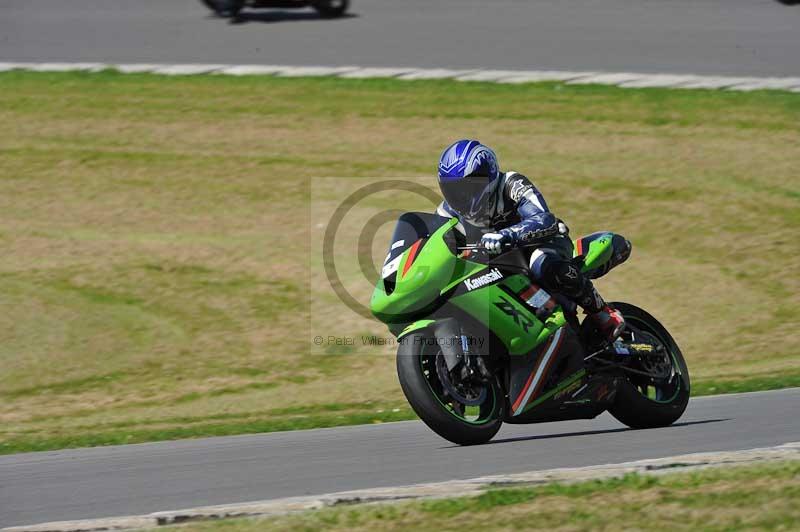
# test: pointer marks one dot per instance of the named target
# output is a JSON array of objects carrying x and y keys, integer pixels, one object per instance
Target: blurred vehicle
[{"x": 231, "y": 8}]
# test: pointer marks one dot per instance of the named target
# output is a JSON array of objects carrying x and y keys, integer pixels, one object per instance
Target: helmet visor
[{"x": 470, "y": 197}]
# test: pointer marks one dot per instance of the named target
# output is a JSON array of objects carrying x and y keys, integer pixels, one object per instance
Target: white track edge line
[
  {"x": 434, "y": 490},
  {"x": 619, "y": 79}
]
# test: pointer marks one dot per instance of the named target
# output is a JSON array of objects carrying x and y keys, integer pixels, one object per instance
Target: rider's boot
[
  {"x": 608, "y": 321},
  {"x": 566, "y": 275}
]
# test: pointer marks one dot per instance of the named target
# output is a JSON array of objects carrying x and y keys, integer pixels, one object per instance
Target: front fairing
[
  {"x": 424, "y": 270},
  {"x": 421, "y": 263}
]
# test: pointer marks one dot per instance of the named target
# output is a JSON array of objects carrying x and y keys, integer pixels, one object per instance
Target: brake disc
[
  {"x": 468, "y": 393},
  {"x": 658, "y": 362}
]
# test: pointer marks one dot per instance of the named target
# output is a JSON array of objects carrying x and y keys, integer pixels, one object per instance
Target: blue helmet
[{"x": 468, "y": 178}]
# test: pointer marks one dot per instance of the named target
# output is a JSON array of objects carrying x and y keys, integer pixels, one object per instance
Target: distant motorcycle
[
  {"x": 231, "y": 8},
  {"x": 481, "y": 345}
]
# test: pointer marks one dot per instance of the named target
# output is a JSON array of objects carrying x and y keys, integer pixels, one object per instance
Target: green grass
[
  {"x": 760, "y": 497},
  {"x": 745, "y": 384},
  {"x": 160, "y": 250}
]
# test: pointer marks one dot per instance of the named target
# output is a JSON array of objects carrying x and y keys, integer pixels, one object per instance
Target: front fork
[{"x": 459, "y": 357}]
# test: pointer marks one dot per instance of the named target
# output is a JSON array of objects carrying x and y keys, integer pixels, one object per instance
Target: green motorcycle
[{"x": 480, "y": 344}]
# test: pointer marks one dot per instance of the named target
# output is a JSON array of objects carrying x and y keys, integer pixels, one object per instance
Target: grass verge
[
  {"x": 760, "y": 497},
  {"x": 158, "y": 237}
]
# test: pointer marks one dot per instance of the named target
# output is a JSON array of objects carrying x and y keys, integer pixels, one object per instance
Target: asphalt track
[
  {"x": 720, "y": 37},
  {"x": 135, "y": 479}
]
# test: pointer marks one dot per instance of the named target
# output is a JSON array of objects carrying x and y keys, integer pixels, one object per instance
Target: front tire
[
  {"x": 416, "y": 368},
  {"x": 643, "y": 402}
]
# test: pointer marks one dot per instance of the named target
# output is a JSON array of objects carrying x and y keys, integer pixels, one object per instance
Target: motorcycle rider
[{"x": 509, "y": 210}]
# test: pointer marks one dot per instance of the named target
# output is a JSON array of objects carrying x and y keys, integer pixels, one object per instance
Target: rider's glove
[{"x": 494, "y": 242}]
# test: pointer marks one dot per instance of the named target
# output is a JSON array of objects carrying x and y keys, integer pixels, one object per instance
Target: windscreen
[{"x": 411, "y": 228}]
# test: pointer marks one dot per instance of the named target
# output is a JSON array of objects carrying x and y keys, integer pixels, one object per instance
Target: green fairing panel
[
  {"x": 463, "y": 270},
  {"x": 434, "y": 272},
  {"x": 416, "y": 326},
  {"x": 418, "y": 288},
  {"x": 512, "y": 322},
  {"x": 600, "y": 251},
  {"x": 517, "y": 283}
]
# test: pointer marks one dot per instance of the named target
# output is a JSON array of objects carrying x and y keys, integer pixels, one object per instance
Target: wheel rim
[
  {"x": 467, "y": 394},
  {"x": 472, "y": 411},
  {"x": 663, "y": 390}
]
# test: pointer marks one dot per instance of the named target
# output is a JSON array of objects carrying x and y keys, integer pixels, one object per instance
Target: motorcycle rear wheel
[
  {"x": 642, "y": 402},
  {"x": 460, "y": 423}
]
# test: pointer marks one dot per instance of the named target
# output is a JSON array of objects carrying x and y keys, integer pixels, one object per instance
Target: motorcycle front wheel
[{"x": 463, "y": 413}]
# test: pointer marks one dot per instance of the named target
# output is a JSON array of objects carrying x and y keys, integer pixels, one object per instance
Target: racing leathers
[{"x": 520, "y": 216}]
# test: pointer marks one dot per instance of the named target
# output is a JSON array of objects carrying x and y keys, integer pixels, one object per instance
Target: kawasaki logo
[{"x": 483, "y": 280}]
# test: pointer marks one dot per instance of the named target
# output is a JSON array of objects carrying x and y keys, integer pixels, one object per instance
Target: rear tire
[
  {"x": 631, "y": 406},
  {"x": 418, "y": 380},
  {"x": 331, "y": 8}
]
